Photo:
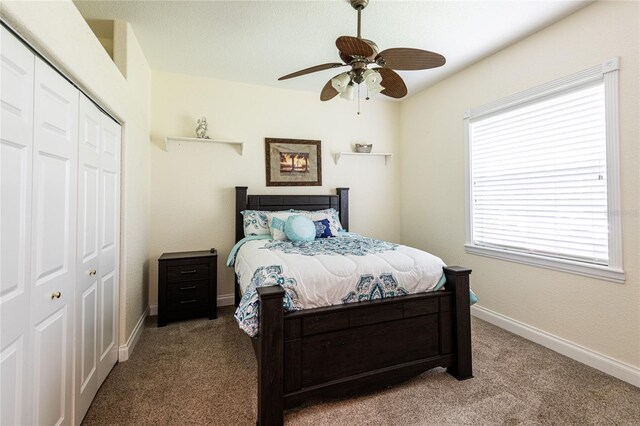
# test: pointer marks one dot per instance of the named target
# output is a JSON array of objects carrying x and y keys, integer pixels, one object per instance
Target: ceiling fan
[{"x": 358, "y": 53}]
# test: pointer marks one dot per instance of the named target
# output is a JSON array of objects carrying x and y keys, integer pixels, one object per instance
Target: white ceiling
[{"x": 258, "y": 41}]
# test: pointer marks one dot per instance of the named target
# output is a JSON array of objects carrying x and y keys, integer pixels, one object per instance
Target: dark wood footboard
[
  {"x": 340, "y": 350},
  {"x": 458, "y": 284},
  {"x": 269, "y": 349}
]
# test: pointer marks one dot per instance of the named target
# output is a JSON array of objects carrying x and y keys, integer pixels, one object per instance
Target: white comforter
[{"x": 331, "y": 271}]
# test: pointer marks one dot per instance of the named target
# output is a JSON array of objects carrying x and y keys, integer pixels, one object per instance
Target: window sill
[{"x": 587, "y": 270}]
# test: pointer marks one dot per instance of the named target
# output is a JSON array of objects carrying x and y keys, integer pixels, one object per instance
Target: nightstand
[{"x": 187, "y": 285}]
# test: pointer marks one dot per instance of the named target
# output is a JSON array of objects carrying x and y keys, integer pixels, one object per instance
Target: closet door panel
[
  {"x": 87, "y": 281},
  {"x": 16, "y": 145},
  {"x": 108, "y": 324},
  {"x": 15, "y": 160},
  {"x": 89, "y": 170},
  {"x": 54, "y": 182},
  {"x": 88, "y": 209},
  {"x": 52, "y": 353},
  {"x": 109, "y": 192},
  {"x": 55, "y": 168},
  {"x": 86, "y": 361},
  {"x": 109, "y": 245},
  {"x": 12, "y": 371},
  {"x": 110, "y": 166},
  {"x": 53, "y": 243}
]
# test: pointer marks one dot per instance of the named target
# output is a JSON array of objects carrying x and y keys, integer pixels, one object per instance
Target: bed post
[
  {"x": 458, "y": 282},
  {"x": 343, "y": 204},
  {"x": 241, "y": 204},
  {"x": 271, "y": 357}
]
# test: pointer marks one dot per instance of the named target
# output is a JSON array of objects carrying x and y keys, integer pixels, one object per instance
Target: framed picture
[{"x": 293, "y": 162}]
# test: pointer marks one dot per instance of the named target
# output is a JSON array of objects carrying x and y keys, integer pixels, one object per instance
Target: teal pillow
[
  {"x": 300, "y": 228},
  {"x": 473, "y": 299}
]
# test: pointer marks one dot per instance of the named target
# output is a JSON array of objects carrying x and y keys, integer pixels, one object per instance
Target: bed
[{"x": 334, "y": 351}]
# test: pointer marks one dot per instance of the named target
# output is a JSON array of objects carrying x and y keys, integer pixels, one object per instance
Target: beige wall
[
  {"x": 599, "y": 315},
  {"x": 192, "y": 185},
  {"x": 58, "y": 31},
  {"x": 136, "y": 172}
]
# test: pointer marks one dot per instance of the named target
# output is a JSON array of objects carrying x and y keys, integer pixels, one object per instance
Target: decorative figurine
[{"x": 201, "y": 130}]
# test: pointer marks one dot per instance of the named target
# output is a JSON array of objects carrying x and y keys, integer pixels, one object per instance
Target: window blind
[{"x": 539, "y": 177}]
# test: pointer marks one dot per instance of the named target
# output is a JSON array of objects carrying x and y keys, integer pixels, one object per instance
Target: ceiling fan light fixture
[
  {"x": 372, "y": 80},
  {"x": 374, "y": 89},
  {"x": 340, "y": 82},
  {"x": 348, "y": 92},
  {"x": 372, "y": 77}
]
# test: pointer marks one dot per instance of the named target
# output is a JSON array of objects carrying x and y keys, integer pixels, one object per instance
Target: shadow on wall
[
  {"x": 145, "y": 285},
  {"x": 158, "y": 141}
]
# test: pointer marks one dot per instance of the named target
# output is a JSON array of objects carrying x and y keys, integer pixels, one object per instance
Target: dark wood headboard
[{"x": 340, "y": 202}]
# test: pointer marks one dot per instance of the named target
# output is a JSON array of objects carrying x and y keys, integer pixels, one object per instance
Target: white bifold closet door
[
  {"x": 109, "y": 239},
  {"x": 97, "y": 273},
  {"x": 59, "y": 232},
  {"x": 16, "y": 148},
  {"x": 53, "y": 245},
  {"x": 39, "y": 161}
]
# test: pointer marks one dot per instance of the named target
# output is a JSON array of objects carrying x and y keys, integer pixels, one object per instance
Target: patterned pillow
[
  {"x": 323, "y": 229},
  {"x": 255, "y": 222},
  {"x": 331, "y": 215},
  {"x": 276, "y": 221},
  {"x": 300, "y": 228}
]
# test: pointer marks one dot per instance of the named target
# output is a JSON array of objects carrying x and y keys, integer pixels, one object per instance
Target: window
[{"x": 543, "y": 179}]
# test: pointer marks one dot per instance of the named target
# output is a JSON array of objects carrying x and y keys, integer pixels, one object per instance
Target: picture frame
[{"x": 293, "y": 162}]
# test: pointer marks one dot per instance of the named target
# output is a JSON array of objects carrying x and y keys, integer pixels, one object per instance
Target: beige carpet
[{"x": 202, "y": 372}]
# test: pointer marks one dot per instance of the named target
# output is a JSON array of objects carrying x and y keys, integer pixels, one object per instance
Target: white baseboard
[
  {"x": 615, "y": 368},
  {"x": 223, "y": 300},
  {"x": 124, "y": 351},
  {"x": 226, "y": 299}
]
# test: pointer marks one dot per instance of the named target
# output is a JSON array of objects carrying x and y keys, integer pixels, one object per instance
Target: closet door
[
  {"x": 53, "y": 255},
  {"x": 87, "y": 288},
  {"x": 16, "y": 143},
  {"x": 98, "y": 242},
  {"x": 109, "y": 242}
]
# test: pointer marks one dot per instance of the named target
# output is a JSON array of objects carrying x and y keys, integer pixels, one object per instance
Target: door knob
[
  {"x": 92, "y": 272},
  {"x": 56, "y": 295}
]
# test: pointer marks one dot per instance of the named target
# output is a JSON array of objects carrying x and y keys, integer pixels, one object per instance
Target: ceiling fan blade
[
  {"x": 345, "y": 58},
  {"x": 328, "y": 91},
  {"x": 405, "y": 58},
  {"x": 353, "y": 46},
  {"x": 312, "y": 69},
  {"x": 393, "y": 85}
]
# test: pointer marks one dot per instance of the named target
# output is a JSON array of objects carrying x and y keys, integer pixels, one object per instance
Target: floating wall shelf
[
  {"x": 183, "y": 139},
  {"x": 386, "y": 155}
]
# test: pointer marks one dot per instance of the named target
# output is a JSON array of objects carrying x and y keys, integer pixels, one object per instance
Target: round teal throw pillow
[{"x": 300, "y": 228}]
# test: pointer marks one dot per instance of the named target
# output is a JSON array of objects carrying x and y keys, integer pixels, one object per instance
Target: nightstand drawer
[
  {"x": 188, "y": 303},
  {"x": 195, "y": 272},
  {"x": 188, "y": 289}
]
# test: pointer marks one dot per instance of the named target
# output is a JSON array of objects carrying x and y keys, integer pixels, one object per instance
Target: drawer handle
[
  {"x": 191, "y": 287},
  {"x": 190, "y": 271},
  {"x": 188, "y": 301}
]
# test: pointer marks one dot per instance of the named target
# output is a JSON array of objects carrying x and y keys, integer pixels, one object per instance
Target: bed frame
[{"x": 340, "y": 350}]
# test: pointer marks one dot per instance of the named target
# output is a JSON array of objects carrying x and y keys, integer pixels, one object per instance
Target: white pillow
[
  {"x": 255, "y": 222},
  {"x": 277, "y": 221}
]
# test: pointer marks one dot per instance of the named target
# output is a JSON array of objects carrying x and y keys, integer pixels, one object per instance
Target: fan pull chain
[{"x": 358, "y": 94}]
